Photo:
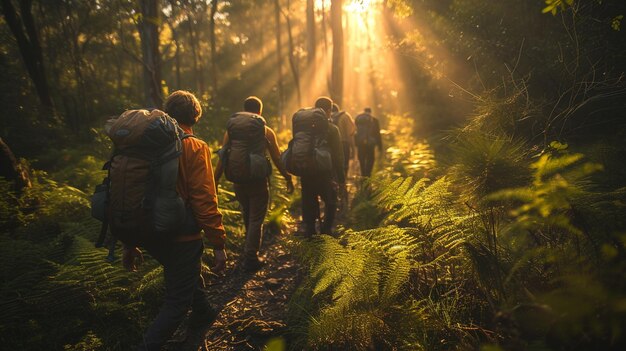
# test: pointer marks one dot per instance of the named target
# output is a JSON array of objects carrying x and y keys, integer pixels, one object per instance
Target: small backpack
[
  {"x": 364, "y": 130},
  {"x": 244, "y": 156},
  {"x": 308, "y": 152},
  {"x": 138, "y": 199}
]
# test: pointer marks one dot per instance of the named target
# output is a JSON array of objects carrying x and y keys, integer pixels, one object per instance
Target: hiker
[
  {"x": 244, "y": 162},
  {"x": 315, "y": 154},
  {"x": 181, "y": 253},
  {"x": 367, "y": 138},
  {"x": 345, "y": 123}
]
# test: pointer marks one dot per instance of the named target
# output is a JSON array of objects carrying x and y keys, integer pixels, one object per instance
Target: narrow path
[{"x": 253, "y": 305}]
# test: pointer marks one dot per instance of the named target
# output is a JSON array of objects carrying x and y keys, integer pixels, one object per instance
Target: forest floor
[{"x": 252, "y": 305}]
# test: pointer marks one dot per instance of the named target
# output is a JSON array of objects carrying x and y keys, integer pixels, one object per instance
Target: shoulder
[{"x": 194, "y": 144}]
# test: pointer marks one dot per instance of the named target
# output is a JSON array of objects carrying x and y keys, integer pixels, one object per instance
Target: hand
[
  {"x": 220, "y": 261},
  {"x": 290, "y": 186},
  {"x": 132, "y": 258}
]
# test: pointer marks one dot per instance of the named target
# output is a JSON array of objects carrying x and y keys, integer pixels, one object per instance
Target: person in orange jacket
[{"x": 181, "y": 258}]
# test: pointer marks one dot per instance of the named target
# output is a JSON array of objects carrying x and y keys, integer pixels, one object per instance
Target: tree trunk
[
  {"x": 325, "y": 41},
  {"x": 149, "y": 33},
  {"x": 176, "y": 40},
  {"x": 214, "y": 4},
  {"x": 23, "y": 28},
  {"x": 336, "y": 92},
  {"x": 279, "y": 58},
  {"x": 310, "y": 31},
  {"x": 10, "y": 168},
  {"x": 292, "y": 59},
  {"x": 198, "y": 76},
  {"x": 80, "y": 106}
]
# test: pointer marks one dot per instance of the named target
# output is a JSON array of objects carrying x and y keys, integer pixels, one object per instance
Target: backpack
[
  {"x": 308, "y": 152},
  {"x": 337, "y": 117},
  {"x": 244, "y": 156},
  {"x": 138, "y": 198},
  {"x": 364, "y": 130}
]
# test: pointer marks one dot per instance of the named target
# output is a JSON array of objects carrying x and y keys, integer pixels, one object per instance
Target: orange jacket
[{"x": 196, "y": 186}]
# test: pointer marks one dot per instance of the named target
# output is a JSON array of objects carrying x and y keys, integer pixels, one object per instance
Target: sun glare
[{"x": 357, "y": 6}]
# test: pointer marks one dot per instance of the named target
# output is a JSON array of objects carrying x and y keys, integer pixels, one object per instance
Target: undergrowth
[
  {"x": 509, "y": 248},
  {"x": 58, "y": 291}
]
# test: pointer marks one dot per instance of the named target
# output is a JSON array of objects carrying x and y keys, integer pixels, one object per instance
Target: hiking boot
[{"x": 253, "y": 264}]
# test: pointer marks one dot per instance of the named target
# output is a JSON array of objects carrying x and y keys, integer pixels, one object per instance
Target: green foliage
[
  {"x": 556, "y": 185},
  {"x": 380, "y": 288},
  {"x": 360, "y": 286},
  {"x": 483, "y": 163},
  {"x": 58, "y": 291},
  {"x": 553, "y": 6},
  {"x": 537, "y": 263},
  {"x": 616, "y": 22}
]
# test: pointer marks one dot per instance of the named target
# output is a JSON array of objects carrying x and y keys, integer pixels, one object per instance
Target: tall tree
[
  {"x": 214, "y": 5},
  {"x": 310, "y": 33},
  {"x": 198, "y": 76},
  {"x": 279, "y": 57},
  {"x": 149, "y": 33},
  {"x": 23, "y": 27},
  {"x": 171, "y": 21},
  {"x": 292, "y": 60},
  {"x": 337, "y": 70}
]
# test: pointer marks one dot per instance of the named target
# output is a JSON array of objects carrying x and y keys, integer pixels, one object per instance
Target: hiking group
[{"x": 160, "y": 193}]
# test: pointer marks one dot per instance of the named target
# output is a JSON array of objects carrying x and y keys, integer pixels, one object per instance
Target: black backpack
[
  {"x": 138, "y": 200},
  {"x": 244, "y": 156},
  {"x": 365, "y": 133},
  {"x": 308, "y": 151}
]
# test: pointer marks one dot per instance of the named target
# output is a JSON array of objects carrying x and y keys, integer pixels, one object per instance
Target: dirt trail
[{"x": 253, "y": 305}]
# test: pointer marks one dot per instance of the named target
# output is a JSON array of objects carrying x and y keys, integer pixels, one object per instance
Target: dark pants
[
  {"x": 366, "y": 159},
  {"x": 181, "y": 267},
  {"x": 346, "y": 157},
  {"x": 253, "y": 199},
  {"x": 312, "y": 188}
]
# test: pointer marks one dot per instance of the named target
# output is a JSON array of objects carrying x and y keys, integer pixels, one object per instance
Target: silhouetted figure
[
  {"x": 315, "y": 154},
  {"x": 367, "y": 139},
  {"x": 345, "y": 123},
  {"x": 243, "y": 160}
]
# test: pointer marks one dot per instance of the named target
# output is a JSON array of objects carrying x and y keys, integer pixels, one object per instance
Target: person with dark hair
[
  {"x": 321, "y": 184},
  {"x": 367, "y": 138},
  {"x": 243, "y": 160},
  {"x": 345, "y": 123},
  {"x": 182, "y": 257}
]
